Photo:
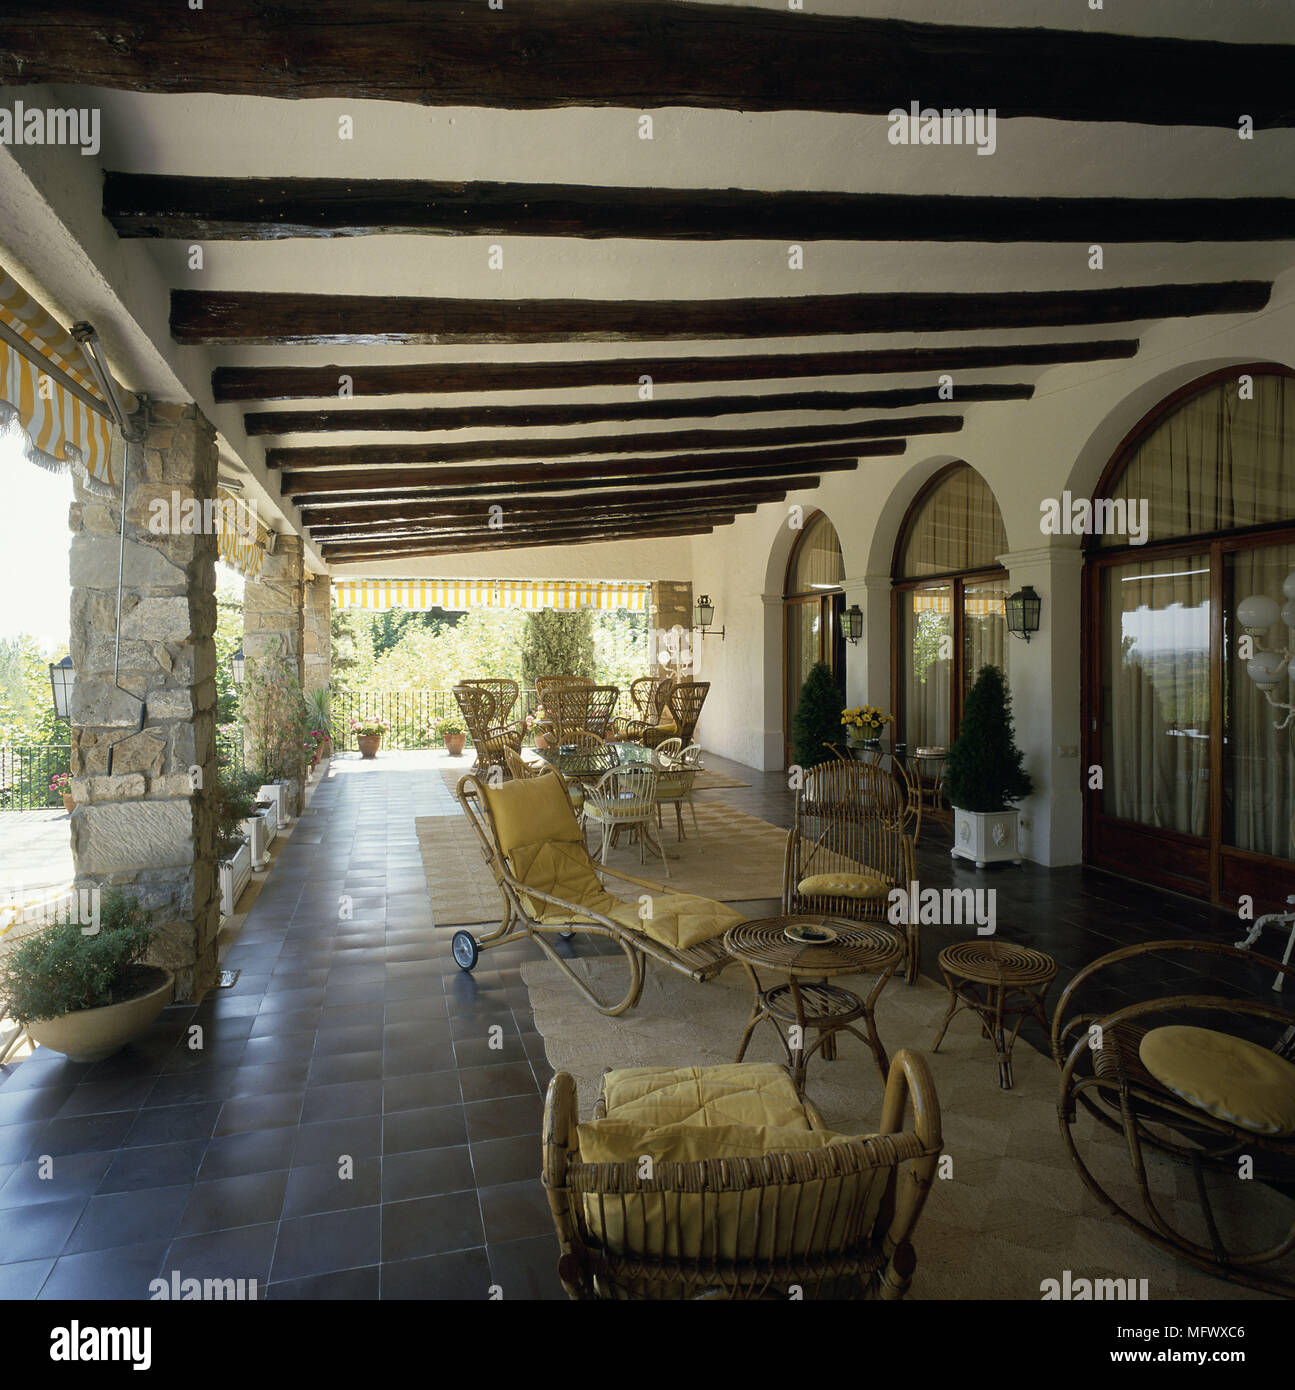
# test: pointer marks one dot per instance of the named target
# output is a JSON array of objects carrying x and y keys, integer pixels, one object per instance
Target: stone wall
[
  {"x": 670, "y": 616},
  {"x": 317, "y": 639},
  {"x": 142, "y": 819}
]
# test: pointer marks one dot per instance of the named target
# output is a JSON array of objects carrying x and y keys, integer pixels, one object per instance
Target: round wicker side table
[
  {"x": 998, "y": 981},
  {"x": 806, "y": 1001}
]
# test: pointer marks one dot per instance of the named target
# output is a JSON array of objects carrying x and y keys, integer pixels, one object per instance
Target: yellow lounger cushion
[
  {"x": 741, "y": 1093},
  {"x": 679, "y": 920},
  {"x": 1236, "y": 1080},
  {"x": 843, "y": 886}
]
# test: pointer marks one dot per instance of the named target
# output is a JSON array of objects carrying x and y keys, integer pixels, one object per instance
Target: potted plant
[
  {"x": 317, "y": 702},
  {"x": 232, "y": 803},
  {"x": 60, "y": 784},
  {"x": 536, "y": 722},
  {"x": 863, "y": 726},
  {"x": 368, "y": 735},
  {"x": 983, "y": 776},
  {"x": 454, "y": 734},
  {"x": 817, "y": 720},
  {"x": 86, "y": 993}
]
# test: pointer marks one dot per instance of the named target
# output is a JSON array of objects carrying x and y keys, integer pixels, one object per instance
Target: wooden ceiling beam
[
  {"x": 639, "y": 54},
  {"x": 280, "y": 422},
  {"x": 610, "y": 473},
  {"x": 267, "y": 209},
  {"x": 512, "y": 521},
  {"x": 843, "y": 436},
  {"x": 457, "y": 378},
  {"x": 232, "y": 317},
  {"x": 575, "y": 535}
]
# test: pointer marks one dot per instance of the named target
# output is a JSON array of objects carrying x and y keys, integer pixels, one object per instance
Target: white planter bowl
[{"x": 90, "y": 1035}]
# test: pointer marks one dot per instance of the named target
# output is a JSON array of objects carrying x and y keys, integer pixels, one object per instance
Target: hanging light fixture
[
  {"x": 1024, "y": 608},
  {"x": 705, "y": 617},
  {"x": 853, "y": 625},
  {"x": 62, "y": 677}
]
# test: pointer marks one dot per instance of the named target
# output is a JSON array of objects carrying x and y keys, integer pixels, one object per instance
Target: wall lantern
[
  {"x": 705, "y": 617},
  {"x": 1023, "y": 610},
  {"x": 853, "y": 624},
  {"x": 238, "y": 664},
  {"x": 61, "y": 680}
]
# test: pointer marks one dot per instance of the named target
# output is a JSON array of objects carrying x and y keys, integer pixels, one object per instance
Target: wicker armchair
[
  {"x": 1189, "y": 1095},
  {"x": 823, "y": 1216},
  {"x": 847, "y": 849},
  {"x": 685, "y": 702},
  {"x": 648, "y": 695},
  {"x": 486, "y": 706},
  {"x": 572, "y": 707},
  {"x": 547, "y": 686},
  {"x": 550, "y": 885}
]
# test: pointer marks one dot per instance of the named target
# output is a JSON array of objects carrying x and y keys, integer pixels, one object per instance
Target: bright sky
[{"x": 34, "y": 540}]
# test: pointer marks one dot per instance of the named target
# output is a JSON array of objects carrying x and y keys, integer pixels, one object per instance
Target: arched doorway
[
  {"x": 812, "y": 604},
  {"x": 949, "y": 614},
  {"x": 1197, "y": 784}
]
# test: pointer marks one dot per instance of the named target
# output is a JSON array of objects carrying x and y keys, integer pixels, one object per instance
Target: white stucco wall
[{"x": 1028, "y": 451}]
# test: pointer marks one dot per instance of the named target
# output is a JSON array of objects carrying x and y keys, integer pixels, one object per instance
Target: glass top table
[{"x": 589, "y": 764}]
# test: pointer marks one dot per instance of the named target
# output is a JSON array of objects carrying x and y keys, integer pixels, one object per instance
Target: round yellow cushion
[
  {"x": 843, "y": 886},
  {"x": 1238, "y": 1081}
]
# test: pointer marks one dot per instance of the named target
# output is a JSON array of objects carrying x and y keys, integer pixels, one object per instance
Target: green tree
[
  {"x": 817, "y": 720},
  {"x": 983, "y": 771},
  {"x": 229, "y": 638},
  {"x": 555, "y": 643}
]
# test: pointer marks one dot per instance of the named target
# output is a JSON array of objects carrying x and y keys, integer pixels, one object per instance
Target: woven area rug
[
  {"x": 738, "y": 857},
  {"x": 1012, "y": 1213}
]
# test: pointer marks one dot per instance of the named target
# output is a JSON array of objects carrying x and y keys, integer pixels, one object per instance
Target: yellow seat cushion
[
  {"x": 679, "y": 920},
  {"x": 666, "y": 725},
  {"x": 1236, "y": 1080},
  {"x": 529, "y": 811},
  {"x": 865, "y": 886},
  {"x": 741, "y": 1093}
]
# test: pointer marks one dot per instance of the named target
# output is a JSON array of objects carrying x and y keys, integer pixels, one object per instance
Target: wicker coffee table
[
  {"x": 805, "y": 1000},
  {"x": 998, "y": 981}
]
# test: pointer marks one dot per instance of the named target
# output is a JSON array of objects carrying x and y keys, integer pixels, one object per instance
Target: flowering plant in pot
[
  {"x": 863, "y": 723},
  {"x": 537, "y": 722},
  {"x": 368, "y": 735},
  {"x": 61, "y": 785},
  {"x": 453, "y": 732},
  {"x": 318, "y": 703},
  {"x": 85, "y": 992}
]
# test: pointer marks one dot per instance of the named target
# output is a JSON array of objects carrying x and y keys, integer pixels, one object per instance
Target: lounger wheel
[
  {"x": 566, "y": 934},
  {"x": 465, "y": 950}
]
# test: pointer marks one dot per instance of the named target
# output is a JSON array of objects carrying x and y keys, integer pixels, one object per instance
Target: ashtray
[{"x": 808, "y": 934}]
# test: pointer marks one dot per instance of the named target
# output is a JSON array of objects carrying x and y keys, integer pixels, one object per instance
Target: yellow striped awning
[
  {"x": 940, "y": 601},
  {"x": 238, "y": 534},
  {"x": 418, "y": 595},
  {"x": 54, "y": 419}
]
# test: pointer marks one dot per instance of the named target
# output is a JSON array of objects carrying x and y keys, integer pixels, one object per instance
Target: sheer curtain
[
  {"x": 1156, "y": 693},
  {"x": 1260, "y": 769},
  {"x": 927, "y": 630},
  {"x": 957, "y": 527}
]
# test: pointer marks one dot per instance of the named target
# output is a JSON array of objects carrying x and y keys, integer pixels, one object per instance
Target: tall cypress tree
[
  {"x": 817, "y": 718},
  {"x": 983, "y": 771}
]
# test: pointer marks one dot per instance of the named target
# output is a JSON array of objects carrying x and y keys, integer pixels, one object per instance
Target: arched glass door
[{"x": 813, "y": 602}]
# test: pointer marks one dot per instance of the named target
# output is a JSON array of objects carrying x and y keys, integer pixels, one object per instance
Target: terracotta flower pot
[
  {"x": 454, "y": 744},
  {"x": 90, "y": 1035},
  {"x": 368, "y": 744},
  {"x": 69, "y": 803},
  {"x": 541, "y": 741}
]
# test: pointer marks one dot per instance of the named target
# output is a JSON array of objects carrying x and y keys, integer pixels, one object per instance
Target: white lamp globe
[
  {"x": 1257, "y": 613},
  {"x": 1266, "y": 669},
  {"x": 1288, "y": 613},
  {"x": 1288, "y": 585}
]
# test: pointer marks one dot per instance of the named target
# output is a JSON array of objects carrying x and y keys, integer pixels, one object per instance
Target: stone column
[
  {"x": 670, "y": 612},
  {"x": 146, "y": 826},
  {"x": 317, "y": 634}
]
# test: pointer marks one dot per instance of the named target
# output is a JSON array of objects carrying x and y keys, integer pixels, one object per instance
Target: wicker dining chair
[
  {"x": 677, "y": 771},
  {"x": 545, "y": 686},
  {"x": 550, "y": 885},
  {"x": 1180, "y": 1094},
  {"x": 911, "y": 782},
  {"x": 847, "y": 849},
  {"x": 492, "y": 735},
  {"x": 648, "y": 695},
  {"x": 772, "y": 1206},
  {"x": 624, "y": 798},
  {"x": 685, "y": 702}
]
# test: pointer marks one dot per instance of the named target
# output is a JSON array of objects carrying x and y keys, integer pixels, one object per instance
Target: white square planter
[
  {"x": 986, "y": 837},
  {"x": 261, "y": 829},
  {"x": 235, "y": 873},
  {"x": 281, "y": 794}
]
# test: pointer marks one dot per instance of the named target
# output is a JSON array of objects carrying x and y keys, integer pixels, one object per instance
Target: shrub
[
  {"x": 233, "y": 801},
  {"x": 62, "y": 971},
  {"x": 817, "y": 720},
  {"x": 983, "y": 771}
]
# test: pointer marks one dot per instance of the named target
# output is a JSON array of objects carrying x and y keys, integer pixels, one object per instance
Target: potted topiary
[
  {"x": 817, "y": 720},
  {"x": 84, "y": 992},
  {"x": 983, "y": 776},
  {"x": 368, "y": 735},
  {"x": 454, "y": 734}
]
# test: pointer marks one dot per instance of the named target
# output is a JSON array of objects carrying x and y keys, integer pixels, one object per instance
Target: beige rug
[
  {"x": 1012, "y": 1213},
  {"x": 738, "y": 857}
]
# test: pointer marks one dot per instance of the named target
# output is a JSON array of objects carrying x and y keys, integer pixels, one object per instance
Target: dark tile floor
[{"x": 357, "y": 1118}]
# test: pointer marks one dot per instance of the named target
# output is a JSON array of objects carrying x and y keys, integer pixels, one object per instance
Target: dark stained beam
[
  {"x": 267, "y": 209},
  {"x": 511, "y": 521},
  {"x": 576, "y": 535},
  {"x": 616, "y": 472},
  {"x": 539, "y": 416},
  {"x": 246, "y": 317},
  {"x": 637, "y": 54},
  {"x": 657, "y": 441},
  {"x": 457, "y": 378},
  {"x": 364, "y": 513}
]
